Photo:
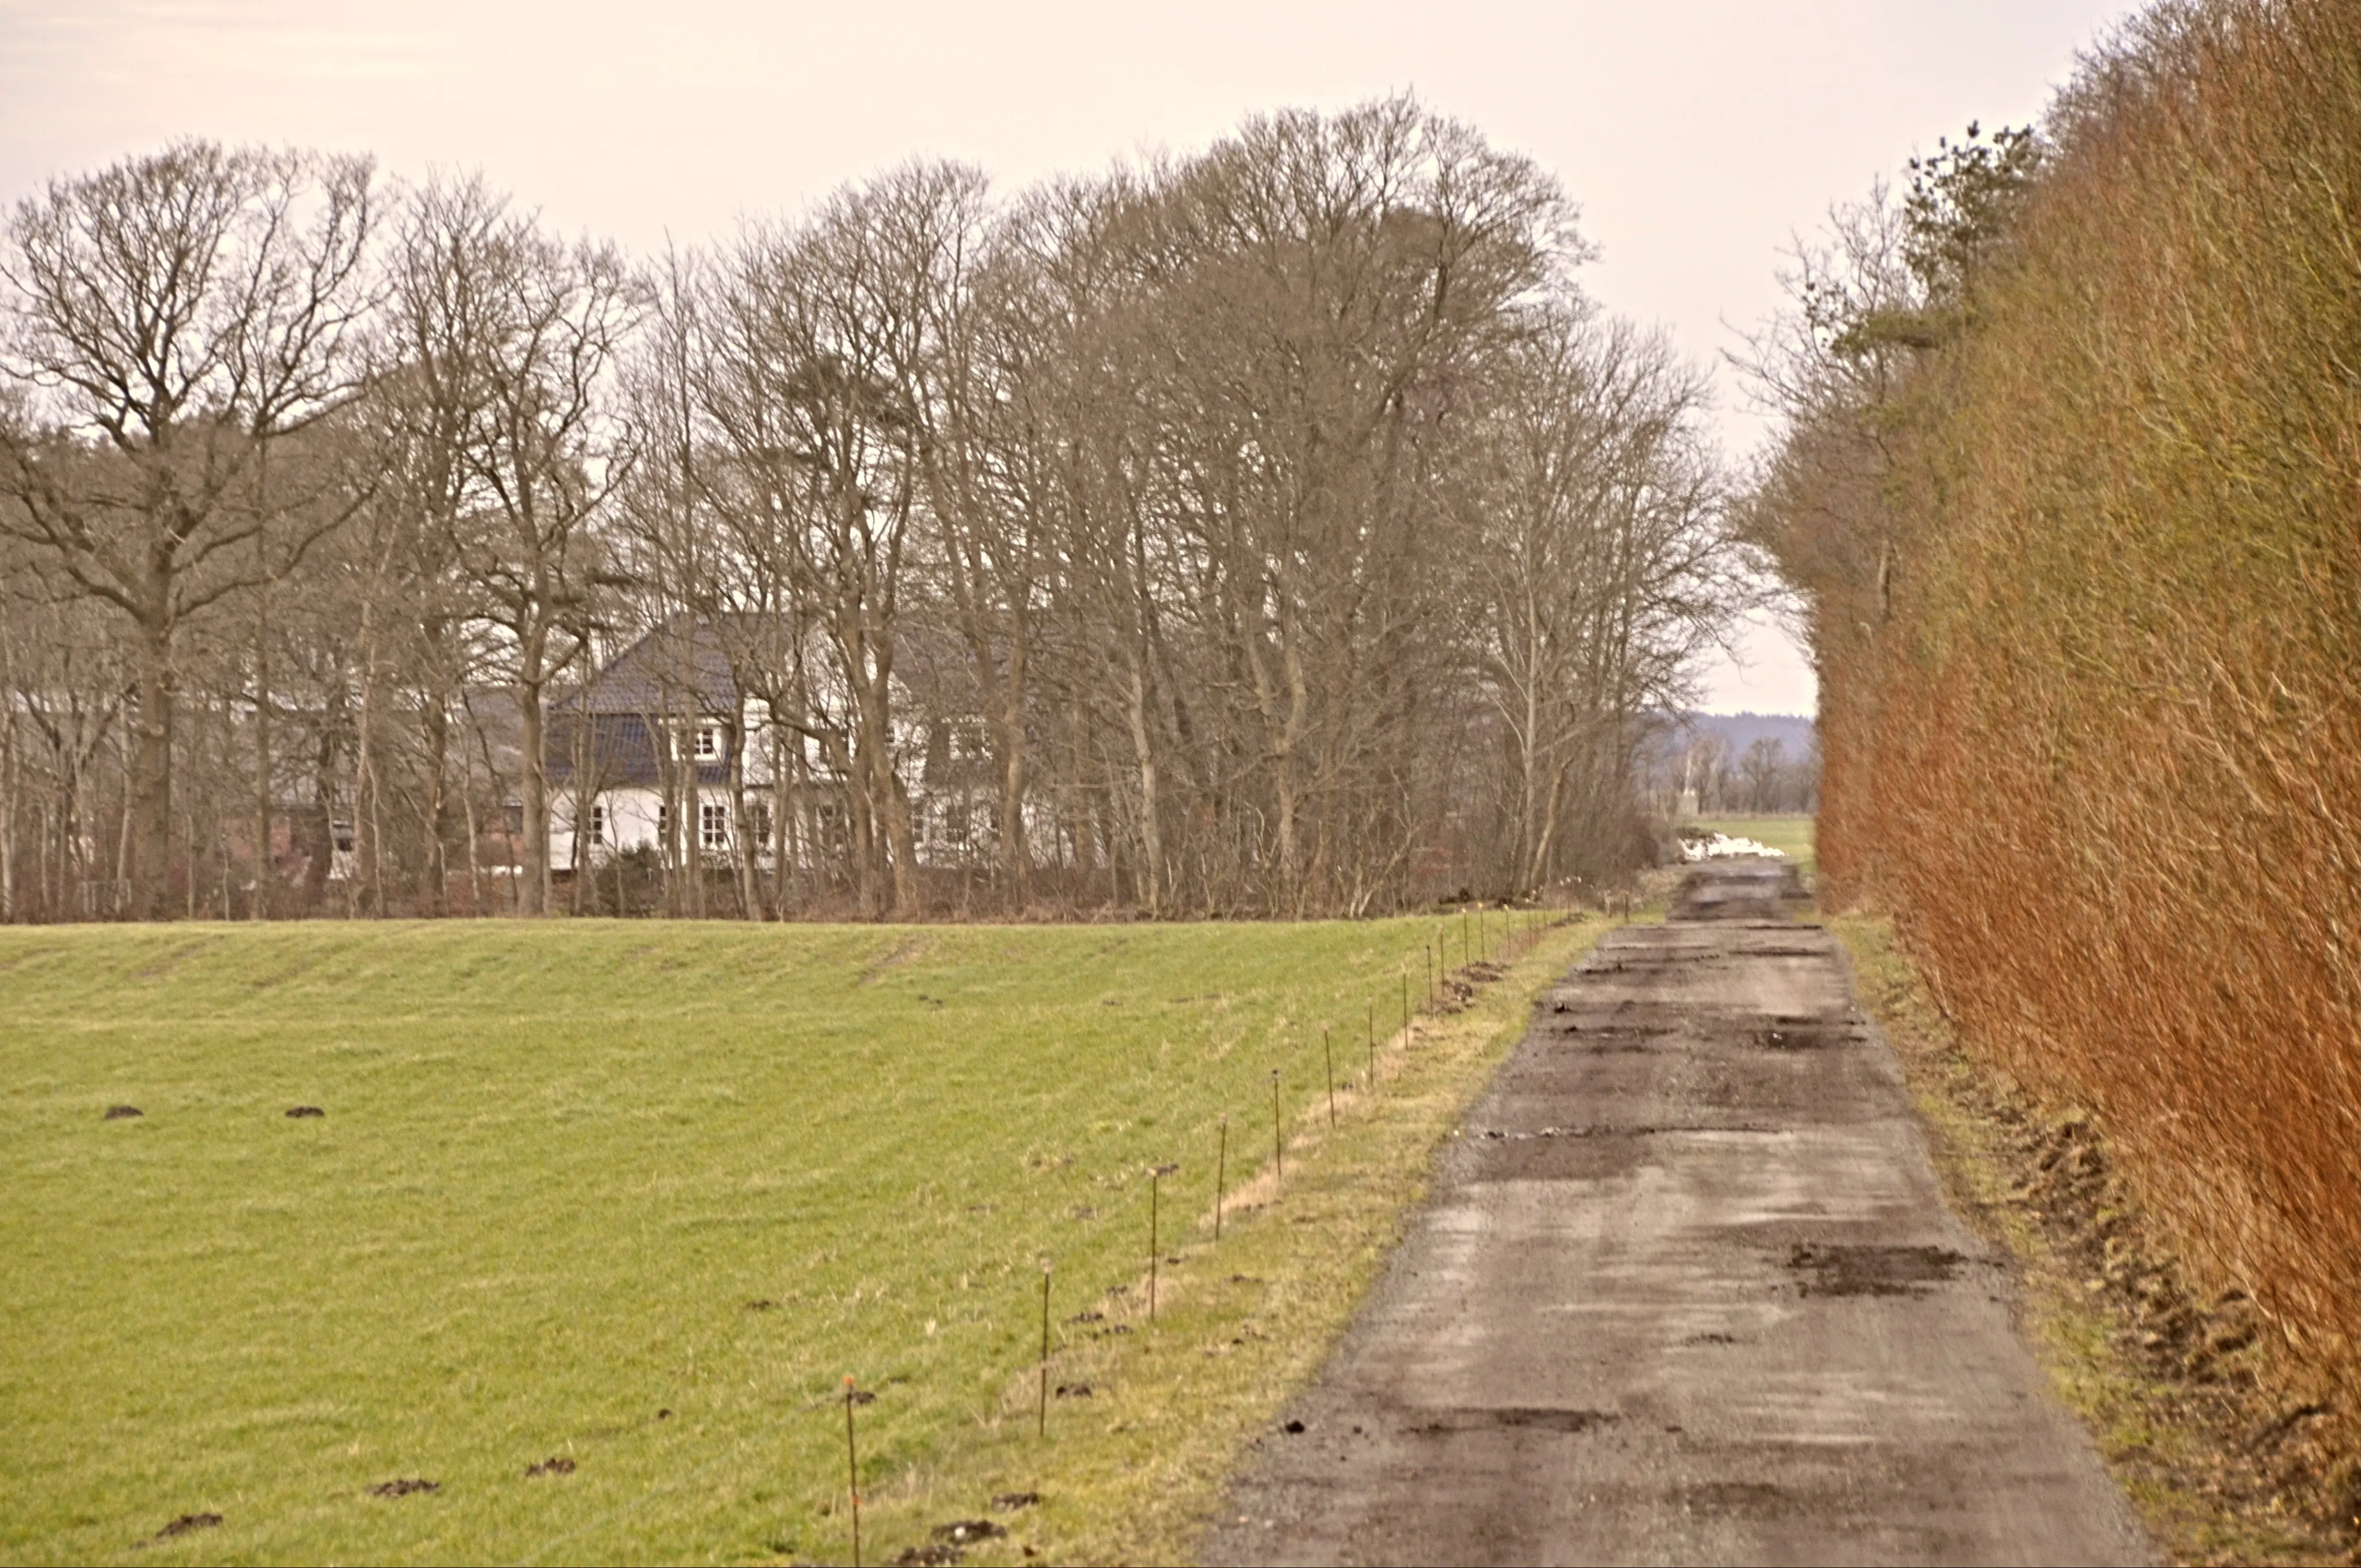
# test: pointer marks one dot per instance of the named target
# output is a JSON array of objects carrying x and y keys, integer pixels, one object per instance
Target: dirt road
[{"x": 1685, "y": 1292}]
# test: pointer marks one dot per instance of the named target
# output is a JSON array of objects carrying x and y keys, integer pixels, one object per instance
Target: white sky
[{"x": 1697, "y": 135}]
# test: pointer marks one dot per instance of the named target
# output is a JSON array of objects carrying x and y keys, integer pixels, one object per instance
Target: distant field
[
  {"x": 1791, "y": 835},
  {"x": 638, "y": 1197}
]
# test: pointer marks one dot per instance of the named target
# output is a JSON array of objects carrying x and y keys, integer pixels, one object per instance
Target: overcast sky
[{"x": 1696, "y": 136}]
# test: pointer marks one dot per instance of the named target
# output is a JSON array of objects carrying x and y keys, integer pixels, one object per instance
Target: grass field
[
  {"x": 1790, "y": 835},
  {"x": 639, "y": 1196}
]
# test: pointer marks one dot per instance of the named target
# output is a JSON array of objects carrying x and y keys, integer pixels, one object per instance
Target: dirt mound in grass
[{"x": 404, "y": 1487}]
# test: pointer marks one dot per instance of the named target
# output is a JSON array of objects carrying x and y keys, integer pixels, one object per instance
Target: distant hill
[{"x": 1739, "y": 730}]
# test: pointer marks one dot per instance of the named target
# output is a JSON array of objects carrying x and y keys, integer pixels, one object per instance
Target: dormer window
[{"x": 709, "y": 742}]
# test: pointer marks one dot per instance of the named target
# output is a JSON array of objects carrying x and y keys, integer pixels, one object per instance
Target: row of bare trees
[
  {"x": 1280, "y": 529},
  {"x": 1710, "y": 776}
]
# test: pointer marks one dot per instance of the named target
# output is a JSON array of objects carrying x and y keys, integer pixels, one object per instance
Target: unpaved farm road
[{"x": 1685, "y": 1292}]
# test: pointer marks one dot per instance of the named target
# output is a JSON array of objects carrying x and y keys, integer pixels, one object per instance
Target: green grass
[
  {"x": 1790, "y": 835},
  {"x": 558, "y": 1164}
]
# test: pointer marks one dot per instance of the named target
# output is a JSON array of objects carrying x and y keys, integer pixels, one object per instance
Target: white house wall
[
  {"x": 634, "y": 813},
  {"x": 634, "y": 816}
]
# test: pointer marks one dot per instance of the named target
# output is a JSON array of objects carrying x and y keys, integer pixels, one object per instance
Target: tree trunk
[
  {"x": 265, "y": 871},
  {"x": 475, "y": 842},
  {"x": 11, "y": 796},
  {"x": 1015, "y": 845},
  {"x": 437, "y": 805},
  {"x": 320, "y": 831},
  {"x": 368, "y": 837},
  {"x": 1152, "y": 832},
  {"x": 742, "y": 837},
  {"x": 900, "y": 842},
  {"x": 533, "y": 889},
  {"x": 151, "y": 778}
]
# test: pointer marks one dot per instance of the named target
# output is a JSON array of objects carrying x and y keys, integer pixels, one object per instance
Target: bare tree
[
  {"x": 820, "y": 338},
  {"x": 178, "y": 317},
  {"x": 514, "y": 335},
  {"x": 1595, "y": 582}
]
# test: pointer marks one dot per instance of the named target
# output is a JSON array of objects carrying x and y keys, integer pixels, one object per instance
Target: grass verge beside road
[
  {"x": 2225, "y": 1459},
  {"x": 636, "y": 1196}
]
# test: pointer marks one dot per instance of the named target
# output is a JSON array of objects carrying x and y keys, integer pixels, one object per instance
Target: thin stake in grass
[
  {"x": 1041, "y": 1422},
  {"x": 1156, "y": 1174},
  {"x": 1220, "y": 1171},
  {"x": 1329, "y": 1056},
  {"x": 852, "y": 1469},
  {"x": 1278, "y": 1140},
  {"x": 1373, "y": 1046}
]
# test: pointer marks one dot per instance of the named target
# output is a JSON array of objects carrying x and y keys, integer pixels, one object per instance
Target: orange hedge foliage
[{"x": 2101, "y": 756}]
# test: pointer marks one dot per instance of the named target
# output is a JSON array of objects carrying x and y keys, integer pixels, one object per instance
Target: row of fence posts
[{"x": 1524, "y": 928}]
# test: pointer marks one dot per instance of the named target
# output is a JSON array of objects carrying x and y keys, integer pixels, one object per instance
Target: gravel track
[{"x": 1686, "y": 1291}]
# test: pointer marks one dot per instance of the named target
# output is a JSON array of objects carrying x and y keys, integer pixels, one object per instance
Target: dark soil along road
[{"x": 1686, "y": 1293}]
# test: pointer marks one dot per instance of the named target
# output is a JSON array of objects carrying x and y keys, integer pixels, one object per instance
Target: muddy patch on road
[
  {"x": 1805, "y": 1034},
  {"x": 1755, "y": 1499},
  {"x": 1512, "y": 1418},
  {"x": 1871, "y": 1270}
]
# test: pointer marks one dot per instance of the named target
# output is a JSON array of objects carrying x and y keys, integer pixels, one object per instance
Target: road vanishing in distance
[{"x": 1686, "y": 1291}]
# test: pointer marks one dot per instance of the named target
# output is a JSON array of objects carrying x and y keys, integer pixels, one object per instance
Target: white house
[
  {"x": 666, "y": 721},
  {"x": 663, "y": 722}
]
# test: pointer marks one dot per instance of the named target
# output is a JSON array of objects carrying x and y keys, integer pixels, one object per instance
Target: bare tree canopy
[
  {"x": 172, "y": 320},
  {"x": 1277, "y": 530}
]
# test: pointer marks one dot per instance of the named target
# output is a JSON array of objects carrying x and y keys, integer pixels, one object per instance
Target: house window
[
  {"x": 597, "y": 822},
  {"x": 709, "y": 742},
  {"x": 761, "y": 810},
  {"x": 340, "y": 833},
  {"x": 713, "y": 825}
]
